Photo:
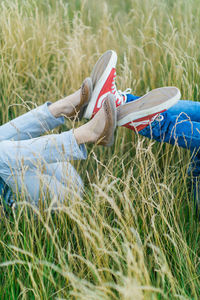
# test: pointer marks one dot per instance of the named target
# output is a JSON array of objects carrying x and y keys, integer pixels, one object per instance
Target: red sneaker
[
  {"x": 140, "y": 113},
  {"x": 103, "y": 79}
]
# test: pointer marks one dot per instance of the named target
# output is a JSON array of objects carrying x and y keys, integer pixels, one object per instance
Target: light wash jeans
[{"x": 36, "y": 165}]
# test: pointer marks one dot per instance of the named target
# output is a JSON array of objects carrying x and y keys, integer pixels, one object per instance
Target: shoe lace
[
  {"x": 121, "y": 96},
  {"x": 124, "y": 93},
  {"x": 157, "y": 117}
]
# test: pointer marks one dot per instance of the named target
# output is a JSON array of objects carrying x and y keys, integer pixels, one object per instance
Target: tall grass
[{"x": 135, "y": 234}]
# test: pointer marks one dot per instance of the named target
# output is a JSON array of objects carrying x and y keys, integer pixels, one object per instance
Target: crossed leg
[
  {"x": 31, "y": 125},
  {"x": 24, "y": 162},
  {"x": 180, "y": 125}
]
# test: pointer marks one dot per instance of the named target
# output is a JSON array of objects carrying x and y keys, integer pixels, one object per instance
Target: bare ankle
[
  {"x": 65, "y": 106},
  {"x": 91, "y": 131},
  {"x": 54, "y": 109},
  {"x": 83, "y": 134}
]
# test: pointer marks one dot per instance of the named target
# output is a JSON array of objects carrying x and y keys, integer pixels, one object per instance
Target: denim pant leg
[
  {"x": 175, "y": 130},
  {"x": 183, "y": 110},
  {"x": 29, "y": 125},
  {"x": 58, "y": 180},
  {"x": 190, "y": 108},
  {"x": 181, "y": 131},
  {"x": 19, "y": 159},
  {"x": 179, "y": 125},
  {"x": 66, "y": 174}
]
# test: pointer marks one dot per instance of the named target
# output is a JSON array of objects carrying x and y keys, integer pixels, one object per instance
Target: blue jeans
[
  {"x": 34, "y": 165},
  {"x": 179, "y": 125}
]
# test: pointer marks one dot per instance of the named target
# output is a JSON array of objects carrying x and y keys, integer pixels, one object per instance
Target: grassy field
[{"x": 134, "y": 235}]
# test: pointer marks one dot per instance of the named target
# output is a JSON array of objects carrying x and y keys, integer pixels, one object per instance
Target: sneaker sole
[
  {"x": 84, "y": 106},
  {"x": 99, "y": 75},
  {"x": 112, "y": 115},
  {"x": 158, "y": 100}
]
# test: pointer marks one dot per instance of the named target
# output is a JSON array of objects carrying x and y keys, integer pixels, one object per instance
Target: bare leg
[
  {"x": 65, "y": 106},
  {"x": 100, "y": 129},
  {"x": 91, "y": 131},
  {"x": 71, "y": 105}
]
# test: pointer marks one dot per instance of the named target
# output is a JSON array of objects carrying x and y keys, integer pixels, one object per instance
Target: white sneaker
[
  {"x": 140, "y": 113},
  {"x": 103, "y": 79}
]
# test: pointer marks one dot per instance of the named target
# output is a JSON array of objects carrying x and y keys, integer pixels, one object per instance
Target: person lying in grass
[
  {"x": 176, "y": 121},
  {"x": 27, "y": 158}
]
